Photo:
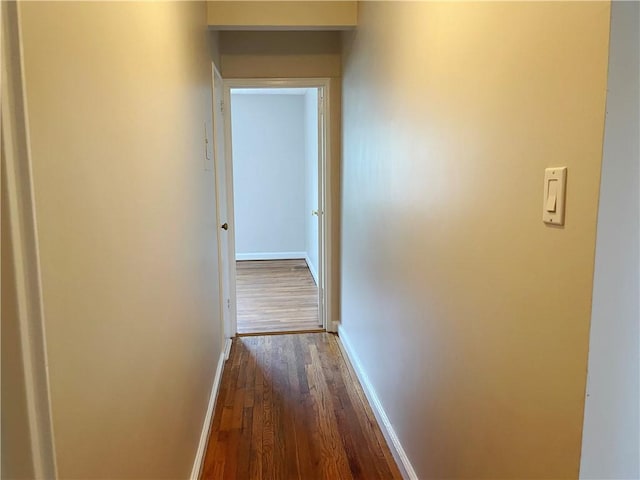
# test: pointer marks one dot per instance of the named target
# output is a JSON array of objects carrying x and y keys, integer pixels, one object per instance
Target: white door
[{"x": 226, "y": 252}]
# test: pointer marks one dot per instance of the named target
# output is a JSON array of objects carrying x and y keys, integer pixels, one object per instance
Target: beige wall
[
  {"x": 469, "y": 315},
  {"x": 118, "y": 94},
  {"x": 296, "y": 55},
  {"x": 214, "y": 48},
  {"x": 280, "y": 54},
  {"x": 282, "y": 15}
]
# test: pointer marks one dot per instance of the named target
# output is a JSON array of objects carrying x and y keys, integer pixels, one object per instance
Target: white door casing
[
  {"x": 324, "y": 186},
  {"x": 24, "y": 248}
]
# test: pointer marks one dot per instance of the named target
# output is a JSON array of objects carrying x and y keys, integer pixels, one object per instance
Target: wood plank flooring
[
  {"x": 290, "y": 407},
  {"x": 276, "y": 296}
]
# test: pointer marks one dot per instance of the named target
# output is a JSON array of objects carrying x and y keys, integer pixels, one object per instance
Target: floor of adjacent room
[
  {"x": 290, "y": 406},
  {"x": 275, "y": 296}
]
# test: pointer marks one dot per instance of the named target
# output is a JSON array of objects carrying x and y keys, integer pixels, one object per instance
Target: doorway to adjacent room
[{"x": 276, "y": 217}]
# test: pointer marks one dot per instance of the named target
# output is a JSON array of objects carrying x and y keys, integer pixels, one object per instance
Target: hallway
[
  {"x": 486, "y": 311},
  {"x": 290, "y": 407}
]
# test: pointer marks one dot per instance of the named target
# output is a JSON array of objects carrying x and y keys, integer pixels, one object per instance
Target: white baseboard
[
  {"x": 206, "y": 427},
  {"x": 406, "y": 469},
  {"x": 312, "y": 268},
  {"x": 270, "y": 255}
]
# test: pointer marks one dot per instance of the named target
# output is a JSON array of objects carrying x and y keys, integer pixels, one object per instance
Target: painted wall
[
  {"x": 311, "y": 180},
  {"x": 118, "y": 94},
  {"x": 268, "y": 175},
  {"x": 481, "y": 311},
  {"x": 298, "y": 55},
  {"x": 280, "y": 54},
  {"x": 282, "y": 15},
  {"x": 611, "y": 437},
  {"x": 214, "y": 48}
]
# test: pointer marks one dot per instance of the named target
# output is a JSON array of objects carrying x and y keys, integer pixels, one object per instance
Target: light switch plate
[{"x": 553, "y": 205}]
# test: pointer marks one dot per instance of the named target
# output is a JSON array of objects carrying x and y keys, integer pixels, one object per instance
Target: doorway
[{"x": 274, "y": 181}]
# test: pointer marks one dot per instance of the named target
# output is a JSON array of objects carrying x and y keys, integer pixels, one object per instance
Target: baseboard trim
[
  {"x": 406, "y": 469},
  {"x": 312, "y": 269},
  {"x": 206, "y": 427},
  {"x": 270, "y": 256}
]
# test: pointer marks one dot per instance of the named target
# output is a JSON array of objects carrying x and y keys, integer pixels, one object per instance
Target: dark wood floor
[
  {"x": 276, "y": 296},
  {"x": 290, "y": 407}
]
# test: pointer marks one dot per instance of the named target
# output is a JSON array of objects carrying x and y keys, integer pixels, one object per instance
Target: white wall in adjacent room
[{"x": 269, "y": 175}]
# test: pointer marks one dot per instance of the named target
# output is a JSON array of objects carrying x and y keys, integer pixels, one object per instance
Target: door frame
[
  {"x": 325, "y": 216},
  {"x": 25, "y": 253}
]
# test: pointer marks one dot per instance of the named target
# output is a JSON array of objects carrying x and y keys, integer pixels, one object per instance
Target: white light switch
[
  {"x": 552, "y": 196},
  {"x": 555, "y": 180}
]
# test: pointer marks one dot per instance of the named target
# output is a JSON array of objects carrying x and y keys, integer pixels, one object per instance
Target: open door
[{"x": 226, "y": 243}]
